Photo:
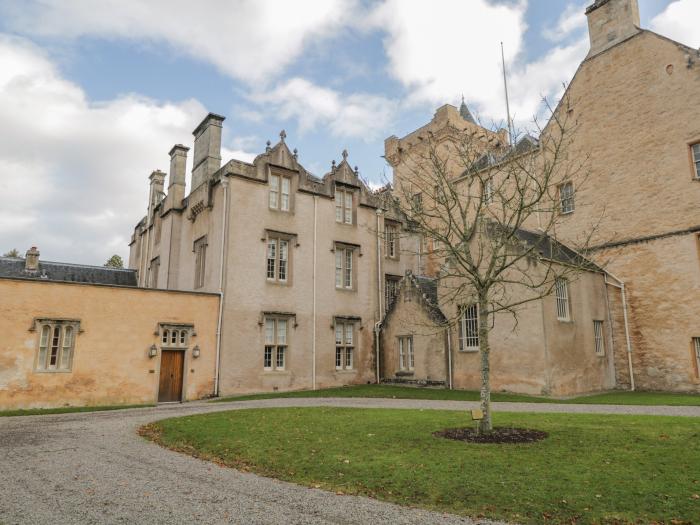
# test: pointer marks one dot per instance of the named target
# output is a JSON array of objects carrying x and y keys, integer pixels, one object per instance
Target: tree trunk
[{"x": 485, "y": 425}]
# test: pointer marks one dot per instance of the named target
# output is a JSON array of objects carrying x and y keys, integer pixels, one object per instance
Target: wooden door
[{"x": 170, "y": 388}]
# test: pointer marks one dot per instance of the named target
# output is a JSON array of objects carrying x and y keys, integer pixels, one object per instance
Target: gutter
[
  {"x": 449, "y": 358},
  {"x": 621, "y": 286},
  {"x": 313, "y": 307}
]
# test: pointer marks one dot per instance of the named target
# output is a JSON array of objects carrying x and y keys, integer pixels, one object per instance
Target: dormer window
[
  {"x": 279, "y": 196},
  {"x": 343, "y": 205}
]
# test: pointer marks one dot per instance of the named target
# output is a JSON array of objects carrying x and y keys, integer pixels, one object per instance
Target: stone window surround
[
  {"x": 395, "y": 238},
  {"x": 695, "y": 355},
  {"x": 275, "y": 346},
  {"x": 291, "y": 239},
  {"x": 465, "y": 327},
  {"x": 188, "y": 328},
  {"x": 38, "y": 324},
  {"x": 405, "y": 354},
  {"x": 344, "y": 189},
  {"x": 199, "y": 248},
  {"x": 281, "y": 173},
  {"x": 562, "y": 300},
  {"x": 567, "y": 203},
  {"x": 694, "y": 158},
  {"x": 356, "y": 250},
  {"x": 344, "y": 345}
]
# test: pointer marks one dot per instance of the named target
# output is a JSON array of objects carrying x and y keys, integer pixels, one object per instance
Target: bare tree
[
  {"x": 14, "y": 252},
  {"x": 488, "y": 212}
]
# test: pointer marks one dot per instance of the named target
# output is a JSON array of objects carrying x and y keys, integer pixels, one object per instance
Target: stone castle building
[{"x": 284, "y": 280}]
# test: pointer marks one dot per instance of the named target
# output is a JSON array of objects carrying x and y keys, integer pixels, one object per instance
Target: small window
[
  {"x": 417, "y": 202},
  {"x": 391, "y": 239},
  {"x": 343, "y": 205},
  {"x": 488, "y": 191},
  {"x": 279, "y": 196},
  {"x": 174, "y": 336},
  {"x": 469, "y": 328},
  {"x": 391, "y": 290},
  {"x": 344, "y": 267},
  {"x": 566, "y": 197},
  {"x": 561, "y": 292},
  {"x": 406, "y": 357},
  {"x": 200, "y": 261},
  {"x": 598, "y": 335},
  {"x": 695, "y": 150},
  {"x": 696, "y": 355},
  {"x": 56, "y": 346},
  {"x": 344, "y": 345},
  {"x": 277, "y": 266},
  {"x": 275, "y": 351}
]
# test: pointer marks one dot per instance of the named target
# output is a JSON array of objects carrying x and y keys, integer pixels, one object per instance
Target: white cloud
[
  {"x": 573, "y": 19},
  {"x": 73, "y": 174},
  {"x": 439, "y": 57},
  {"x": 680, "y": 21},
  {"x": 358, "y": 115},
  {"x": 251, "y": 40}
]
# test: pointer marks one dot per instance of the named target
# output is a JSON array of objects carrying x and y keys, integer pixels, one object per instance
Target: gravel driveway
[{"x": 94, "y": 468}]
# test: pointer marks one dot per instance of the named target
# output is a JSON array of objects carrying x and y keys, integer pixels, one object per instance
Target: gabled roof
[
  {"x": 551, "y": 249},
  {"x": 428, "y": 296},
  {"x": 13, "y": 268}
]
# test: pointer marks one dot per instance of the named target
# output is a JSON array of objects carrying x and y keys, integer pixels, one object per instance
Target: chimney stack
[
  {"x": 207, "y": 149},
  {"x": 176, "y": 186},
  {"x": 31, "y": 260},
  {"x": 157, "y": 179},
  {"x": 610, "y": 22}
]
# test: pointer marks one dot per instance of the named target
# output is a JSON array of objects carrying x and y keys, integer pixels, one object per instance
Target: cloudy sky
[{"x": 94, "y": 93}]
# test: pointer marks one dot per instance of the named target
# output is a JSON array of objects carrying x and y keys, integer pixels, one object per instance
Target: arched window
[
  {"x": 165, "y": 337},
  {"x": 56, "y": 345}
]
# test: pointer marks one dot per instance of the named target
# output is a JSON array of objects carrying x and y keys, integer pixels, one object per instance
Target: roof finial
[
  {"x": 296, "y": 153},
  {"x": 333, "y": 165},
  {"x": 283, "y": 135},
  {"x": 345, "y": 154},
  {"x": 267, "y": 146}
]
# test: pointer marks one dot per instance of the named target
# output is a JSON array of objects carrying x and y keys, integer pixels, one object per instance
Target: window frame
[
  {"x": 344, "y": 204},
  {"x": 345, "y": 267},
  {"x": 406, "y": 353},
  {"x": 599, "y": 337},
  {"x": 488, "y": 192},
  {"x": 277, "y": 348},
  {"x": 562, "y": 299},
  {"x": 391, "y": 240},
  {"x": 174, "y": 336},
  {"x": 56, "y": 331},
  {"x": 345, "y": 347},
  {"x": 694, "y": 152},
  {"x": 395, "y": 280},
  {"x": 468, "y": 335},
  {"x": 200, "y": 261},
  {"x": 277, "y": 188},
  {"x": 567, "y": 203},
  {"x": 278, "y": 241},
  {"x": 695, "y": 344}
]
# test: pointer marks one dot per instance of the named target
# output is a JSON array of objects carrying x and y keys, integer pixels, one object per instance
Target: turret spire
[{"x": 464, "y": 112}]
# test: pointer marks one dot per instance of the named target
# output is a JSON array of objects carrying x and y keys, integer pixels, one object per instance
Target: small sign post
[{"x": 477, "y": 415}]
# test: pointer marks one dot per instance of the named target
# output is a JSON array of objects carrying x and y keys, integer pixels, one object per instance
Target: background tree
[
  {"x": 115, "y": 261},
  {"x": 14, "y": 252},
  {"x": 487, "y": 214}
]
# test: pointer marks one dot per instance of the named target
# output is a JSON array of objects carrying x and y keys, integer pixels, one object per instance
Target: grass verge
[
  {"x": 404, "y": 392},
  {"x": 591, "y": 468},
  {"x": 65, "y": 410}
]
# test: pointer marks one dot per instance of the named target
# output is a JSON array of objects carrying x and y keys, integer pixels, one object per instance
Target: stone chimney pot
[{"x": 31, "y": 261}]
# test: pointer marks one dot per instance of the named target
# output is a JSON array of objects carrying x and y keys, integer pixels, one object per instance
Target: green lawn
[
  {"x": 404, "y": 392},
  {"x": 65, "y": 410},
  {"x": 591, "y": 468}
]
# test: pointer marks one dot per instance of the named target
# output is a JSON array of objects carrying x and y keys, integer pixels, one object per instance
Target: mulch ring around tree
[{"x": 497, "y": 435}]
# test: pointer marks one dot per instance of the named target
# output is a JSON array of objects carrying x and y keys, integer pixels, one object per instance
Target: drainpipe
[
  {"x": 313, "y": 308},
  {"x": 378, "y": 324},
  {"x": 449, "y": 358},
  {"x": 621, "y": 286},
  {"x": 222, "y": 283}
]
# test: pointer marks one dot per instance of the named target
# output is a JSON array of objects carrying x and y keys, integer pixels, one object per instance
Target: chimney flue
[
  {"x": 31, "y": 260},
  {"x": 610, "y": 22},
  {"x": 207, "y": 149}
]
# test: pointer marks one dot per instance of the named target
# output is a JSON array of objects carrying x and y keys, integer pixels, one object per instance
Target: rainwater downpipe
[
  {"x": 449, "y": 358},
  {"x": 222, "y": 283},
  {"x": 313, "y": 307},
  {"x": 621, "y": 286},
  {"x": 378, "y": 324}
]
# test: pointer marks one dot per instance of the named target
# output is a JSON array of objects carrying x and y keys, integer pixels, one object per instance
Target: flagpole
[{"x": 505, "y": 87}]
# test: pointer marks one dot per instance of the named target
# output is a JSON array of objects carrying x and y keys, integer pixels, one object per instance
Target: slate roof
[
  {"x": 552, "y": 249},
  {"x": 428, "y": 287},
  {"x": 13, "y": 268}
]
